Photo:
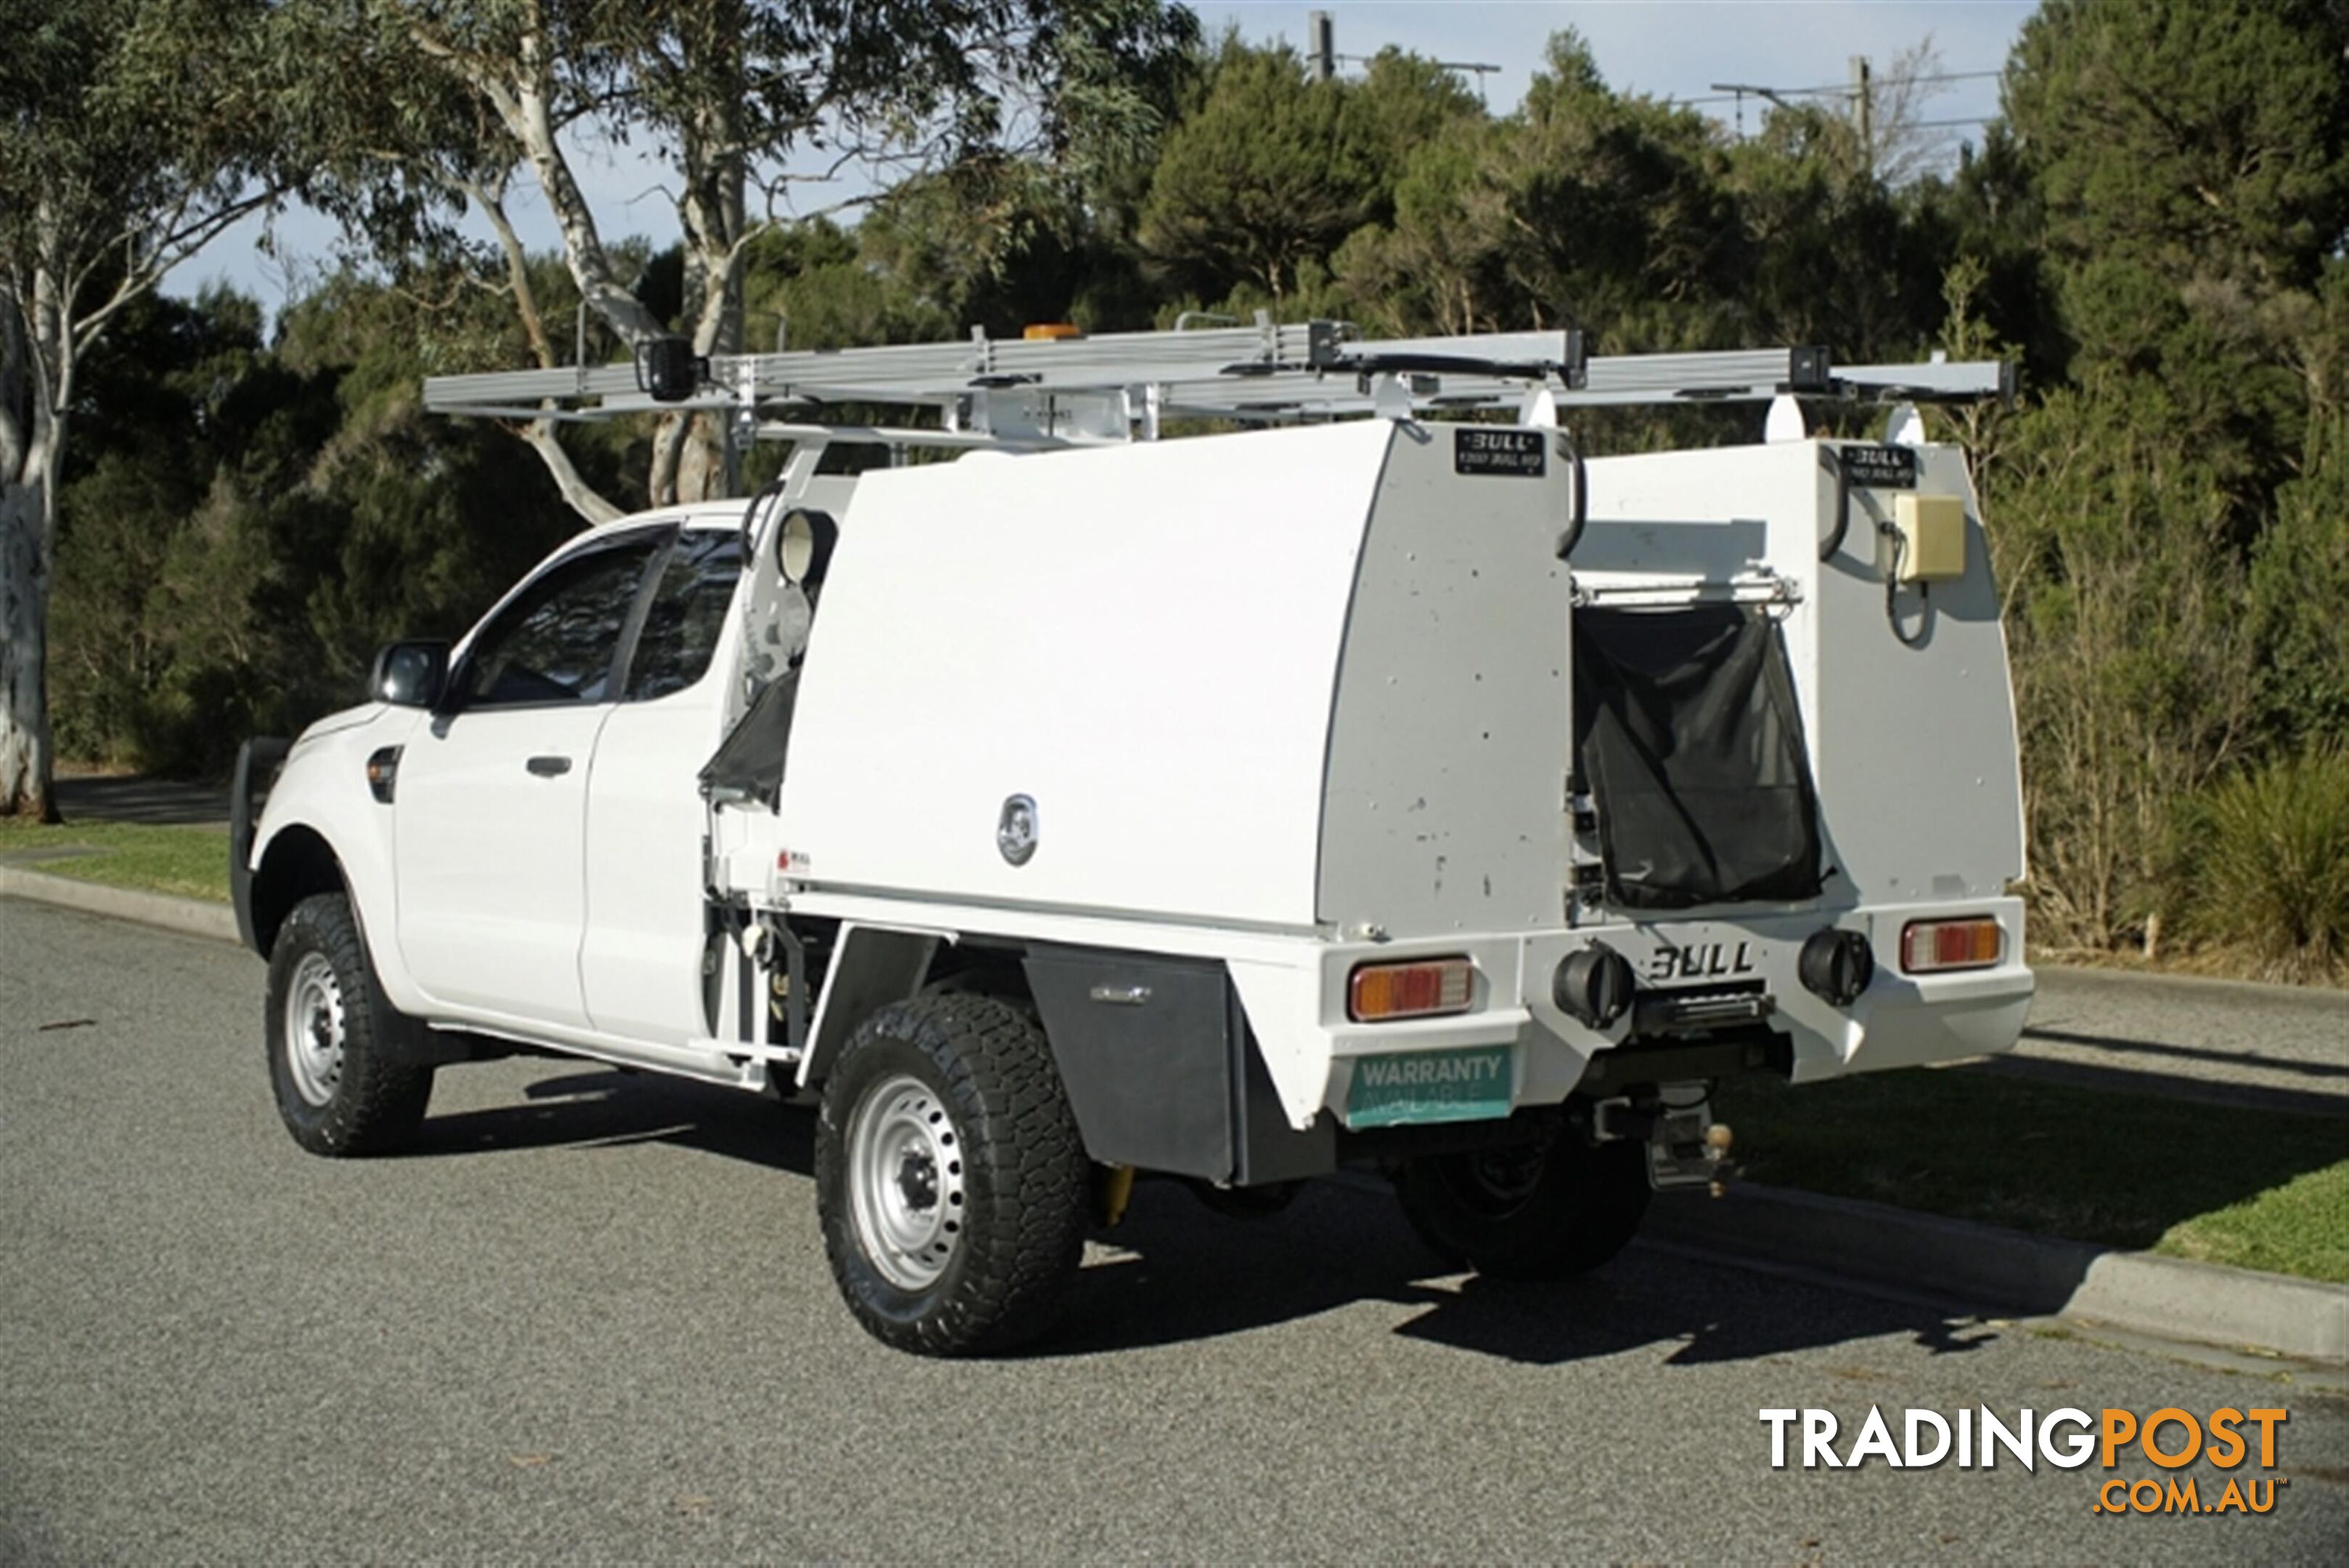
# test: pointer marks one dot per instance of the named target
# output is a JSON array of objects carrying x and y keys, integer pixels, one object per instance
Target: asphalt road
[
  {"x": 591, "y": 1321},
  {"x": 2258, "y": 1045}
]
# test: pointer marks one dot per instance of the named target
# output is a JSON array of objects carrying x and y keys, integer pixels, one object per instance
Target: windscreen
[{"x": 1687, "y": 732}]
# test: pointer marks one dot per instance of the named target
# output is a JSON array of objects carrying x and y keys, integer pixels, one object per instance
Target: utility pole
[
  {"x": 1321, "y": 56},
  {"x": 1863, "y": 99}
]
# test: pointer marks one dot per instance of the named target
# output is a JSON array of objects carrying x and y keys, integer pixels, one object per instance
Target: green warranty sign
[{"x": 1430, "y": 1087}]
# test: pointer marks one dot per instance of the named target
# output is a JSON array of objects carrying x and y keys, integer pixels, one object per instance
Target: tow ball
[{"x": 1686, "y": 1147}]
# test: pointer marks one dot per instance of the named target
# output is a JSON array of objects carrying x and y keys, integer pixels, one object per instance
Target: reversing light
[
  {"x": 1927, "y": 946},
  {"x": 1417, "y": 987}
]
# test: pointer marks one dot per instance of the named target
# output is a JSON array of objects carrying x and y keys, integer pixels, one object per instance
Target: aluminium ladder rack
[{"x": 1119, "y": 386}]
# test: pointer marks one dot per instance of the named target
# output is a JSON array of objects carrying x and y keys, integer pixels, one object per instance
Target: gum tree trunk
[
  {"x": 522, "y": 92},
  {"x": 137, "y": 135},
  {"x": 31, "y": 436},
  {"x": 26, "y": 762}
]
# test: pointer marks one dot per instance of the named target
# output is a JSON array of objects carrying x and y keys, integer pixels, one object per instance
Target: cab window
[
  {"x": 557, "y": 643},
  {"x": 686, "y": 614}
]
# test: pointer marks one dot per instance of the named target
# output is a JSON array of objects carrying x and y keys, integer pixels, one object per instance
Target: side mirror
[{"x": 411, "y": 674}]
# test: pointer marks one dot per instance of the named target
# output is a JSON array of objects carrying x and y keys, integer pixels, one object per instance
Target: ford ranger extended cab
[{"x": 1374, "y": 779}]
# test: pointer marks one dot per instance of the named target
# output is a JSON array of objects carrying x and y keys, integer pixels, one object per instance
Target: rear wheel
[
  {"x": 1538, "y": 1211},
  {"x": 344, "y": 1086},
  {"x": 949, "y": 1176}
]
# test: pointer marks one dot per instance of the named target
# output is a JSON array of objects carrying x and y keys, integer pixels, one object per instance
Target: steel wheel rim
[
  {"x": 314, "y": 1029},
  {"x": 906, "y": 1187}
]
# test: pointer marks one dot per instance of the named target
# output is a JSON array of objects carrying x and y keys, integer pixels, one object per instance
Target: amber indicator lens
[
  {"x": 1423, "y": 988},
  {"x": 1927, "y": 946}
]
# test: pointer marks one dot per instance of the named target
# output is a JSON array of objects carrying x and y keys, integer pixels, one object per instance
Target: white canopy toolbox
[{"x": 1302, "y": 699}]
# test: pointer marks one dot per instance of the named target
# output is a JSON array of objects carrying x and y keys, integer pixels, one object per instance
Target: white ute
[{"x": 1056, "y": 802}]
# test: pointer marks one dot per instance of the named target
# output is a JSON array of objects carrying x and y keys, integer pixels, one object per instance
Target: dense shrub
[{"x": 2261, "y": 865}]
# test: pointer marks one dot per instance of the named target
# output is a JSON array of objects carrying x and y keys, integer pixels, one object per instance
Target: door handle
[{"x": 549, "y": 767}]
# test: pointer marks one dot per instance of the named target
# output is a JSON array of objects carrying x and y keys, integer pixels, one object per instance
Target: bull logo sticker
[{"x": 1705, "y": 961}]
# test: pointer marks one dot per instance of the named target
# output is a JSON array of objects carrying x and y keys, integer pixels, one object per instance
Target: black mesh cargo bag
[
  {"x": 1687, "y": 732},
  {"x": 748, "y": 764}
]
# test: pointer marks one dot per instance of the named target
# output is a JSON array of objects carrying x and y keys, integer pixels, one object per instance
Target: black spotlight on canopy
[
  {"x": 1836, "y": 965},
  {"x": 1594, "y": 986}
]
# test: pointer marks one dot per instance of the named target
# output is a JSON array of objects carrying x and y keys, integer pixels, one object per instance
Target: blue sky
[{"x": 1672, "y": 48}]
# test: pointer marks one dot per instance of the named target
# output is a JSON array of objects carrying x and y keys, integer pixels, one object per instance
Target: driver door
[{"x": 491, "y": 805}]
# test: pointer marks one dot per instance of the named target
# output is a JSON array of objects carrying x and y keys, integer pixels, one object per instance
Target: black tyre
[
  {"x": 949, "y": 1176},
  {"x": 1535, "y": 1212},
  {"x": 335, "y": 1057}
]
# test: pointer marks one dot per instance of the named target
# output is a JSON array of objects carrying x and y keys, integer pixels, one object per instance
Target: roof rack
[{"x": 1116, "y": 386}]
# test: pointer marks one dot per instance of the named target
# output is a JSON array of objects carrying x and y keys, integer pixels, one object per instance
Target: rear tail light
[
  {"x": 1421, "y": 988},
  {"x": 1930, "y": 945}
]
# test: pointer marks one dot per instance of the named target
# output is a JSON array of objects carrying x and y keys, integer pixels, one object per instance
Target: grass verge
[
  {"x": 188, "y": 862},
  {"x": 2249, "y": 1188}
]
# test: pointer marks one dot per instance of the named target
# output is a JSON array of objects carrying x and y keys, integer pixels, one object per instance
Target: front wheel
[
  {"x": 949, "y": 1176},
  {"x": 342, "y": 1084},
  {"x": 1539, "y": 1211}
]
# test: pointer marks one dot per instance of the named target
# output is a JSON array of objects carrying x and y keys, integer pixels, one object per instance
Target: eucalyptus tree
[
  {"x": 134, "y": 132},
  {"x": 755, "y": 110},
  {"x": 1270, "y": 172},
  {"x": 2192, "y": 163},
  {"x": 2171, "y": 521},
  {"x": 1585, "y": 207}
]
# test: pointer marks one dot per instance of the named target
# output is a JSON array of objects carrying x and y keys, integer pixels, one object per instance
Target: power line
[
  {"x": 1722, "y": 92},
  {"x": 1860, "y": 91},
  {"x": 1938, "y": 77},
  {"x": 1324, "y": 59}
]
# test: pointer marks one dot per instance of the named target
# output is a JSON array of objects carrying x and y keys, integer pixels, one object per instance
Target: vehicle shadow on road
[
  {"x": 1174, "y": 1272},
  {"x": 607, "y": 1107},
  {"x": 1181, "y": 1274}
]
